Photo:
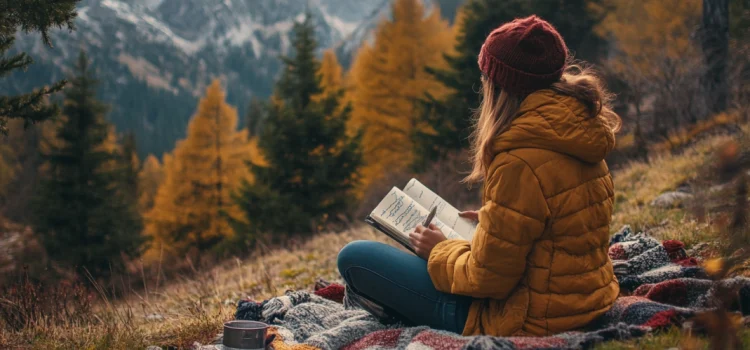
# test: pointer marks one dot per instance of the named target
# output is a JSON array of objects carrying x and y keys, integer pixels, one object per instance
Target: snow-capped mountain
[{"x": 155, "y": 57}]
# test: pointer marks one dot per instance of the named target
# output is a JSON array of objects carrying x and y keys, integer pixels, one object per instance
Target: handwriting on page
[
  {"x": 423, "y": 196},
  {"x": 445, "y": 212},
  {"x": 404, "y": 214},
  {"x": 394, "y": 207}
]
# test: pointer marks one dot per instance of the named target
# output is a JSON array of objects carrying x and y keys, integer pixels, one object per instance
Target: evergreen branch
[
  {"x": 6, "y": 42},
  {"x": 20, "y": 61},
  {"x": 32, "y": 16},
  {"x": 31, "y": 106}
]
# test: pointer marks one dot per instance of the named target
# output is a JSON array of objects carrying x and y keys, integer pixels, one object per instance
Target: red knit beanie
[{"x": 524, "y": 55}]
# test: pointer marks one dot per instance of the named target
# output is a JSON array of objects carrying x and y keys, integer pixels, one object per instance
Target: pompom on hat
[{"x": 524, "y": 55}]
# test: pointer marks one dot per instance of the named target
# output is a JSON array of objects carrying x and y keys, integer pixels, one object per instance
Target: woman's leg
[{"x": 400, "y": 282}]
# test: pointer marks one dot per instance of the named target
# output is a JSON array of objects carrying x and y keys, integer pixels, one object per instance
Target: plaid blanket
[{"x": 661, "y": 285}]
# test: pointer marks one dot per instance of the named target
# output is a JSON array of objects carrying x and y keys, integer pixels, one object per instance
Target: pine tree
[
  {"x": 20, "y": 149},
  {"x": 30, "y": 16},
  {"x": 149, "y": 179},
  {"x": 83, "y": 219},
  {"x": 193, "y": 205},
  {"x": 445, "y": 123},
  {"x": 255, "y": 117},
  {"x": 12, "y": 147},
  {"x": 387, "y": 79},
  {"x": 131, "y": 164},
  {"x": 575, "y": 21},
  {"x": 309, "y": 161}
]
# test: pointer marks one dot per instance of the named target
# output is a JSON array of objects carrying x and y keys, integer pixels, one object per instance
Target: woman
[{"x": 538, "y": 263}]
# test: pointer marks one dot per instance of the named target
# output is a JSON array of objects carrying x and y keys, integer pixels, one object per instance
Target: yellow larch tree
[
  {"x": 388, "y": 77},
  {"x": 331, "y": 79},
  {"x": 657, "y": 56},
  {"x": 331, "y": 73},
  {"x": 648, "y": 30},
  {"x": 193, "y": 205},
  {"x": 149, "y": 179}
]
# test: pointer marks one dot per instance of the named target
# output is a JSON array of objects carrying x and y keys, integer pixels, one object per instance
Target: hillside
[
  {"x": 182, "y": 311},
  {"x": 155, "y": 57}
]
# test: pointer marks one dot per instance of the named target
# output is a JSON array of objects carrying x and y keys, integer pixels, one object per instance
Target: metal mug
[{"x": 244, "y": 335}]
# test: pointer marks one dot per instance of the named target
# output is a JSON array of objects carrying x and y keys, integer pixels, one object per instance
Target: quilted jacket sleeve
[{"x": 510, "y": 221}]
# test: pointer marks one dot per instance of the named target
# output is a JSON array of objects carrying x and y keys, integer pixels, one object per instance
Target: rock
[
  {"x": 673, "y": 199},
  {"x": 684, "y": 187},
  {"x": 718, "y": 188},
  {"x": 153, "y": 347},
  {"x": 154, "y": 317}
]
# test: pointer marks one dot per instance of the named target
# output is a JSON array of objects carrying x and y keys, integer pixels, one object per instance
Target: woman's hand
[
  {"x": 470, "y": 214},
  {"x": 424, "y": 239}
]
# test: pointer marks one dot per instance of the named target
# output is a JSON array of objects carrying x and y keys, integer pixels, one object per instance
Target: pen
[{"x": 430, "y": 216}]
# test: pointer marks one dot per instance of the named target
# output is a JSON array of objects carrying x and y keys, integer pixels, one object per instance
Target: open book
[{"x": 401, "y": 211}]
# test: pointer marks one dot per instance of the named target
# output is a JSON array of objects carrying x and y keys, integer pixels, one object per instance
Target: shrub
[{"x": 25, "y": 303}]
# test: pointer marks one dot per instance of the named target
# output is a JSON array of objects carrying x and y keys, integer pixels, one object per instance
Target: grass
[
  {"x": 192, "y": 309},
  {"x": 639, "y": 183},
  {"x": 188, "y": 310}
]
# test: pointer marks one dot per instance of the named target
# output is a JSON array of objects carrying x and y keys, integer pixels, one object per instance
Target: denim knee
[{"x": 351, "y": 255}]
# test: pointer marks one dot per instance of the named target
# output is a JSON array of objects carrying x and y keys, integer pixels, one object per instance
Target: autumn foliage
[
  {"x": 387, "y": 79},
  {"x": 150, "y": 177},
  {"x": 193, "y": 204},
  {"x": 331, "y": 74}
]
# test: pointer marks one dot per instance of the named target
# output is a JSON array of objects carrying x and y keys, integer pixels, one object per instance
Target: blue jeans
[{"x": 400, "y": 282}]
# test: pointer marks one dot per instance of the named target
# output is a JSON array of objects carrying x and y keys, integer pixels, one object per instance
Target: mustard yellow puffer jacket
[{"x": 538, "y": 263}]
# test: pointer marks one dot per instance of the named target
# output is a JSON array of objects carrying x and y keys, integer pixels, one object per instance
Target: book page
[
  {"x": 445, "y": 212},
  {"x": 401, "y": 213}
]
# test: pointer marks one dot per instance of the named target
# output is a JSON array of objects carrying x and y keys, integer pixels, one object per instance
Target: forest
[{"x": 319, "y": 153}]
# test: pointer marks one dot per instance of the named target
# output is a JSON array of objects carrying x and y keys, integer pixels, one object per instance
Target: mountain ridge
[{"x": 154, "y": 58}]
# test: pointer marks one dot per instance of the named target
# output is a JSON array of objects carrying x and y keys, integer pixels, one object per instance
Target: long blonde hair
[{"x": 498, "y": 109}]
